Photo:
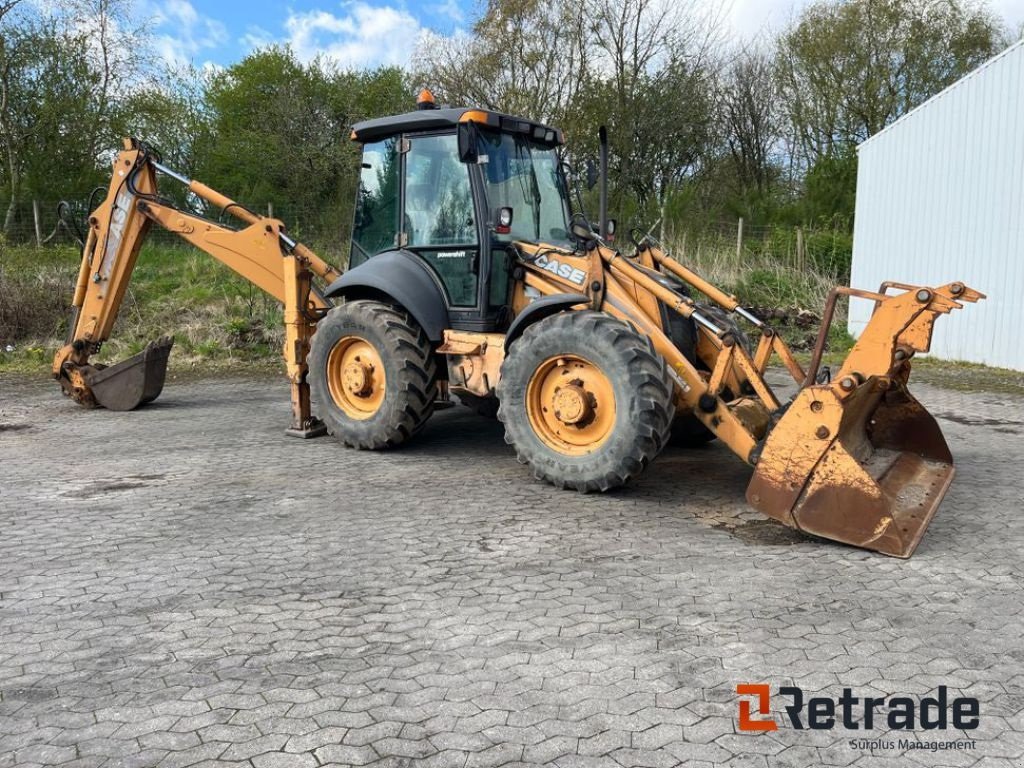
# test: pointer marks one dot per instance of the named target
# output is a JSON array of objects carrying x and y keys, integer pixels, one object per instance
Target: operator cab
[{"x": 441, "y": 183}]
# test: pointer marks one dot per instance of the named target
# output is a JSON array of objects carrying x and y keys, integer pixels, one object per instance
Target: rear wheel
[
  {"x": 585, "y": 401},
  {"x": 372, "y": 373}
]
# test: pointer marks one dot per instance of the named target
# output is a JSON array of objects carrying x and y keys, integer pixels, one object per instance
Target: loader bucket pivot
[
  {"x": 859, "y": 460},
  {"x": 132, "y": 382}
]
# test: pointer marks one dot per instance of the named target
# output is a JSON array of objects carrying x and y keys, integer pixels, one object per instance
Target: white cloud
[
  {"x": 751, "y": 18},
  {"x": 182, "y": 33},
  {"x": 450, "y": 9},
  {"x": 363, "y": 36},
  {"x": 256, "y": 37},
  {"x": 1011, "y": 10}
]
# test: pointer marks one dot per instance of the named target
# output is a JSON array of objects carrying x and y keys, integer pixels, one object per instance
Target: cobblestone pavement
[{"x": 185, "y": 585}]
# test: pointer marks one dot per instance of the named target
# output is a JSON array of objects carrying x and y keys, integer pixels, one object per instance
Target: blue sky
[
  {"x": 358, "y": 33},
  {"x": 353, "y": 33}
]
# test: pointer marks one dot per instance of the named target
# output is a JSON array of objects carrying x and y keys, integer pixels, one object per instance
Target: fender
[
  {"x": 541, "y": 308},
  {"x": 401, "y": 277}
]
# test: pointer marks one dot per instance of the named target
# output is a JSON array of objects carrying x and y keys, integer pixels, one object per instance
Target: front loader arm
[{"x": 260, "y": 252}]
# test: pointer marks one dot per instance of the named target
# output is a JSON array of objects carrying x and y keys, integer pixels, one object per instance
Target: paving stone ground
[{"x": 186, "y": 586}]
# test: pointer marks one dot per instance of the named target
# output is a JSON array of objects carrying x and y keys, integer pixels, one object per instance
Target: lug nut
[
  {"x": 847, "y": 383},
  {"x": 924, "y": 296},
  {"x": 956, "y": 288}
]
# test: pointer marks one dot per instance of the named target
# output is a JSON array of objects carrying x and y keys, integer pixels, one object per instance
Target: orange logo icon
[{"x": 763, "y": 695}]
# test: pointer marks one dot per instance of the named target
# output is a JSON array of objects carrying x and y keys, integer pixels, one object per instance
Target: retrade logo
[
  {"x": 898, "y": 713},
  {"x": 763, "y": 694}
]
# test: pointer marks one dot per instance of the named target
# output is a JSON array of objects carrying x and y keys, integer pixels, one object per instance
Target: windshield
[{"x": 524, "y": 175}]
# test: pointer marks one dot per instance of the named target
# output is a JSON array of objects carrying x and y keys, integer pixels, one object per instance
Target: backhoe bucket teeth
[
  {"x": 860, "y": 460},
  {"x": 132, "y": 382}
]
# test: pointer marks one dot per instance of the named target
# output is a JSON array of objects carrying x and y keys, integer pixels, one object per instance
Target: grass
[
  {"x": 221, "y": 321},
  {"x": 792, "y": 299},
  {"x": 968, "y": 377},
  {"x": 759, "y": 280},
  {"x": 217, "y": 319},
  {"x": 223, "y": 324}
]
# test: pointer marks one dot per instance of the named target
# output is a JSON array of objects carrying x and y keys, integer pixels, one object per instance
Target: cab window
[
  {"x": 438, "y": 201},
  {"x": 376, "y": 216},
  {"x": 438, "y": 217}
]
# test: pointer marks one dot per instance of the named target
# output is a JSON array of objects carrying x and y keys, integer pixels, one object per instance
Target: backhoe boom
[{"x": 260, "y": 252}]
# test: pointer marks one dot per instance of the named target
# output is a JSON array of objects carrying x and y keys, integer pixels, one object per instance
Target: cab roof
[{"x": 449, "y": 117}]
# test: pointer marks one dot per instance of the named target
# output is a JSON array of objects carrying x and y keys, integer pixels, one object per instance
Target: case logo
[{"x": 564, "y": 271}]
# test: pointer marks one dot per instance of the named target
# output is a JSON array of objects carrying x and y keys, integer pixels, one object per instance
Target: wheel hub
[
  {"x": 358, "y": 379},
  {"x": 355, "y": 377},
  {"x": 571, "y": 404}
]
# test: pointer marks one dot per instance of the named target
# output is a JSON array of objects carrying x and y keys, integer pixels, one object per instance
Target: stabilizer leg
[{"x": 299, "y": 326}]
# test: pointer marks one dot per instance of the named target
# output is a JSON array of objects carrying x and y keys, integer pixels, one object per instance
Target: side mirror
[
  {"x": 592, "y": 174},
  {"x": 581, "y": 229},
  {"x": 467, "y": 141},
  {"x": 503, "y": 221}
]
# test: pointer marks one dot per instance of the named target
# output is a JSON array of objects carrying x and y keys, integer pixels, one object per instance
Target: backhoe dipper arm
[{"x": 260, "y": 252}]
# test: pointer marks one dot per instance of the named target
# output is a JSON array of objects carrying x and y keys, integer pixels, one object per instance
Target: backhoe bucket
[
  {"x": 859, "y": 460},
  {"x": 132, "y": 382}
]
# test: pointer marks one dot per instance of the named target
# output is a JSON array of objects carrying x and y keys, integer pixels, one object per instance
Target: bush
[
  {"x": 212, "y": 313},
  {"x": 34, "y": 305}
]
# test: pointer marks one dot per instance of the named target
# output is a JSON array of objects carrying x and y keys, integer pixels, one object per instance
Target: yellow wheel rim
[
  {"x": 571, "y": 405},
  {"x": 355, "y": 377}
]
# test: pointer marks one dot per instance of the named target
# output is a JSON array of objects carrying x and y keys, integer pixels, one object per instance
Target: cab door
[{"x": 439, "y": 222}]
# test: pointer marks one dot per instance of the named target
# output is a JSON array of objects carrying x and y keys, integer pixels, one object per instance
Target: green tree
[
  {"x": 524, "y": 57},
  {"x": 848, "y": 68},
  {"x": 748, "y": 120},
  {"x": 170, "y": 113},
  {"x": 280, "y": 134},
  {"x": 64, "y": 74}
]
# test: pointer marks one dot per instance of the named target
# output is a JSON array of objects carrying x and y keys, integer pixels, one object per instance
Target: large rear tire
[
  {"x": 372, "y": 374},
  {"x": 585, "y": 400}
]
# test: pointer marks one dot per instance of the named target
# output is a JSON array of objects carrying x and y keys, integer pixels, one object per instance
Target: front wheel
[
  {"x": 372, "y": 373},
  {"x": 585, "y": 400}
]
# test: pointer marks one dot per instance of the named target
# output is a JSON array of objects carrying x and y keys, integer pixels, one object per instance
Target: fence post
[
  {"x": 270, "y": 210},
  {"x": 739, "y": 241},
  {"x": 38, "y": 223},
  {"x": 800, "y": 256}
]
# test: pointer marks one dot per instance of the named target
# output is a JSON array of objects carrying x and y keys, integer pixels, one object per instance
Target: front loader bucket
[
  {"x": 859, "y": 460},
  {"x": 132, "y": 382}
]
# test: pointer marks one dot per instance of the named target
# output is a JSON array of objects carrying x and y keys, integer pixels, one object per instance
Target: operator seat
[{"x": 419, "y": 216}]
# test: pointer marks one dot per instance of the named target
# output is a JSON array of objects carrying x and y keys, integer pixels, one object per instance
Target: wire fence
[
  {"x": 827, "y": 251},
  {"x": 734, "y": 243},
  {"x": 56, "y": 223},
  {"x": 782, "y": 272}
]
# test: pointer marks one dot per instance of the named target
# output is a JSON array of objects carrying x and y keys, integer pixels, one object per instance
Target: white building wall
[{"x": 940, "y": 197}]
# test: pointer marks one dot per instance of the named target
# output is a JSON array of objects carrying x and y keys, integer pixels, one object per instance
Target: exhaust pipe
[{"x": 602, "y": 136}]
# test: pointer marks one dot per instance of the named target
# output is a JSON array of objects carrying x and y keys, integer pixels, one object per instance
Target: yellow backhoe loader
[{"x": 469, "y": 277}]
